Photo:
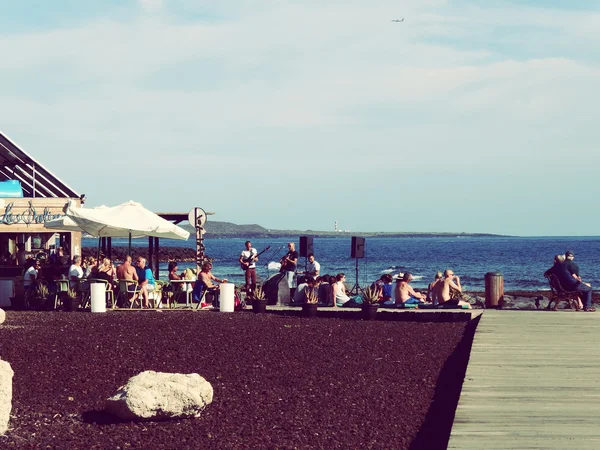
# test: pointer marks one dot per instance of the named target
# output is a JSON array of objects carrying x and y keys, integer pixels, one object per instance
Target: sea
[{"x": 521, "y": 260}]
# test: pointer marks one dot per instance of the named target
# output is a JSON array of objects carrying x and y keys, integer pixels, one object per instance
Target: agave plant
[
  {"x": 258, "y": 293},
  {"x": 41, "y": 291},
  {"x": 311, "y": 296},
  {"x": 72, "y": 293},
  {"x": 371, "y": 295}
]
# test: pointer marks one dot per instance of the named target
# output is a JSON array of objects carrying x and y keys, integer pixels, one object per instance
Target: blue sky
[{"x": 469, "y": 116}]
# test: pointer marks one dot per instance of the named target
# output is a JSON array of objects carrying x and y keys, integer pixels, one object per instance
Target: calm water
[{"x": 522, "y": 261}]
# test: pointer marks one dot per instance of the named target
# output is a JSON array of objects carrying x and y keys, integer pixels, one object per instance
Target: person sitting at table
[
  {"x": 206, "y": 278},
  {"x": 126, "y": 271},
  {"x": 75, "y": 271},
  {"x": 173, "y": 272},
  {"x": 146, "y": 281},
  {"x": 31, "y": 275},
  {"x": 106, "y": 271},
  {"x": 91, "y": 267}
]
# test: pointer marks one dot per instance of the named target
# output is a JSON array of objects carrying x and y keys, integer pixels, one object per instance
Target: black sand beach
[{"x": 280, "y": 382}]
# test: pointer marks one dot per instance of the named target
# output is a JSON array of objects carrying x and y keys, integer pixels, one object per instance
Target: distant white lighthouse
[{"x": 335, "y": 226}]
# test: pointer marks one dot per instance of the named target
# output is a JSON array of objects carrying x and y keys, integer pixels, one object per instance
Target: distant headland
[{"x": 215, "y": 229}]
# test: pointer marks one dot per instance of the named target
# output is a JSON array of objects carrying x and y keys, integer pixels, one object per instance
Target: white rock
[
  {"x": 2, "y": 316},
  {"x": 158, "y": 396},
  {"x": 6, "y": 375}
]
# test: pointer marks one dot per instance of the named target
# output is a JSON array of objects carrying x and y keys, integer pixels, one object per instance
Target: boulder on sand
[
  {"x": 6, "y": 375},
  {"x": 161, "y": 396}
]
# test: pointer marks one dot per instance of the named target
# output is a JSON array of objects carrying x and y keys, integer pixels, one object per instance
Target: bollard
[
  {"x": 98, "y": 297},
  {"x": 494, "y": 290},
  {"x": 227, "y": 297}
]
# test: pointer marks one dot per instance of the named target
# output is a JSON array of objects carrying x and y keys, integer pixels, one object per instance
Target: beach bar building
[{"x": 30, "y": 195}]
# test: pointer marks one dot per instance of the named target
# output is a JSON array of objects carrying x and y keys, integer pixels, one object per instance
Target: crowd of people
[{"x": 331, "y": 290}]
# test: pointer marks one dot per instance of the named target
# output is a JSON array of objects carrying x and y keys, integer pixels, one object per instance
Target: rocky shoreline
[{"x": 166, "y": 254}]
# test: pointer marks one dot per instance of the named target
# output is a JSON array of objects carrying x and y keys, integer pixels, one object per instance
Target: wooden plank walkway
[{"x": 533, "y": 382}]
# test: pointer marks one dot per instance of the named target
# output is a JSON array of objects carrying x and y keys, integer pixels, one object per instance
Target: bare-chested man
[
  {"x": 206, "y": 277},
  {"x": 443, "y": 287},
  {"x": 404, "y": 294},
  {"x": 126, "y": 271}
]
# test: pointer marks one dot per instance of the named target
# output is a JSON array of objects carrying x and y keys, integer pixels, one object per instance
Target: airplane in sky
[{"x": 398, "y": 20}]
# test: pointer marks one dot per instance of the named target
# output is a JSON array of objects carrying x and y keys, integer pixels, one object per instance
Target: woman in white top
[{"x": 340, "y": 295}]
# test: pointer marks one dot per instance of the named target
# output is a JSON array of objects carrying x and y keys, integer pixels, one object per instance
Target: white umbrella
[
  {"x": 63, "y": 223},
  {"x": 129, "y": 219}
]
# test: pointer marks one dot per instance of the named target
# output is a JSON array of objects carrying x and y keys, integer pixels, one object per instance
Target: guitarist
[
  {"x": 288, "y": 265},
  {"x": 248, "y": 260}
]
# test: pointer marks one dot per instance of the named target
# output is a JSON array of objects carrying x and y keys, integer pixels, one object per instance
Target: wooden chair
[
  {"x": 110, "y": 295},
  {"x": 559, "y": 294},
  {"x": 124, "y": 292}
]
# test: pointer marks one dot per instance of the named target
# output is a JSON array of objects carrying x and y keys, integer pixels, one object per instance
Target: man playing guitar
[
  {"x": 288, "y": 264},
  {"x": 248, "y": 260}
]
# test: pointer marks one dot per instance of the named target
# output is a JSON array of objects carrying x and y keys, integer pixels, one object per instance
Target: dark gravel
[{"x": 279, "y": 382}]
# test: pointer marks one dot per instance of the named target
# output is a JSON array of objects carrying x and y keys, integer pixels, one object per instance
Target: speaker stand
[{"x": 356, "y": 288}]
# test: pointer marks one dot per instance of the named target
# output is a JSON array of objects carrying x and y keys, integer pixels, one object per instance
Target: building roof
[{"x": 36, "y": 180}]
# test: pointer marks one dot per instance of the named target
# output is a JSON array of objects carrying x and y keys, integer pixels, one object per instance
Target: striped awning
[{"x": 36, "y": 180}]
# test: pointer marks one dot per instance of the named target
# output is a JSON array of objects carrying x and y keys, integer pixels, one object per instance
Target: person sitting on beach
[
  {"x": 146, "y": 281},
  {"x": 325, "y": 291},
  {"x": 206, "y": 278},
  {"x": 445, "y": 287},
  {"x": 340, "y": 296},
  {"x": 385, "y": 284},
  {"x": 75, "y": 271},
  {"x": 404, "y": 294},
  {"x": 570, "y": 283},
  {"x": 431, "y": 291},
  {"x": 300, "y": 292}
]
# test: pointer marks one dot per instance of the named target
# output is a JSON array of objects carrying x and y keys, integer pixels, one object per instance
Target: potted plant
[
  {"x": 259, "y": 301},
  {"x": 39, "y": 299},
  {"x": 72, "y": 300},
  {"x": 309, "y": 308},
  {"x": 370, "y": 302}
]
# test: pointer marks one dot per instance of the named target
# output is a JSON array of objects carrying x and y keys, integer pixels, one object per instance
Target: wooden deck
[{"x": 533, "y": 382}]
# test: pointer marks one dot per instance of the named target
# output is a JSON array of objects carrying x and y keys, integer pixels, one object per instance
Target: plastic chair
[
  {"x": 83, "y": 286},
  {"x": 109, "y": 292},
  {"x": 199, "y": 294},
  {"x": 124, "y": 292},
  {"x": 62, "y": 287},
  {"x": 179, "y": 290},
  {"x": 157, "y": 293}
]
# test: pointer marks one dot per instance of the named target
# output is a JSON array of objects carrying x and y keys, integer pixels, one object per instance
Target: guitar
[{"x": 245, "y": 263}]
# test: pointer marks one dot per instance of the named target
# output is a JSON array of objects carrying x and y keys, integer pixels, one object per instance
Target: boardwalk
[{"x": 533, "y": 382}]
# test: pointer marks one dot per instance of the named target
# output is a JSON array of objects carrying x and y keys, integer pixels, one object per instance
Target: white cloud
[
  {"x": 281, "y": 85},
  {"x": 151, "y": 5}
]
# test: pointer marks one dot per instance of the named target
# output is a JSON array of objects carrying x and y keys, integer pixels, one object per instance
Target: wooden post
[{"x": 494, "y": 289}]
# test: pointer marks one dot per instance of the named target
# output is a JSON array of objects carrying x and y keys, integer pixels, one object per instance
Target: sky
[{"x": 468, "y": 116}]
